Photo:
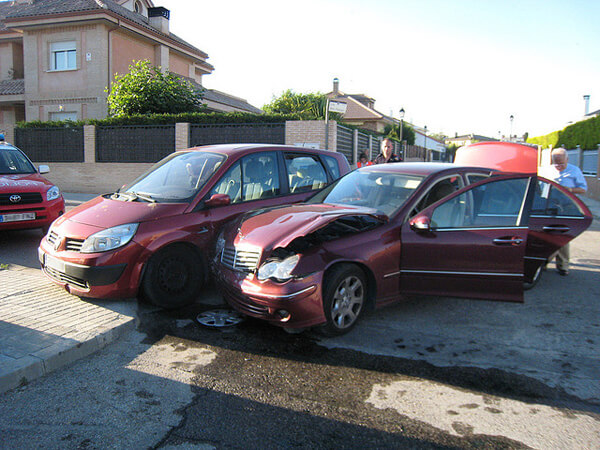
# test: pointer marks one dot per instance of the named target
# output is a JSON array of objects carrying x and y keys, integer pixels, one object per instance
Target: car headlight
[
  {"x": 279, "y": 270},
  {"x": 109, "y": 239},
  {"x": 53, "y": 193}
]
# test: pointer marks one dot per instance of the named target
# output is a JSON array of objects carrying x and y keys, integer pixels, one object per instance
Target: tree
[
  {"x": 393, "y": 131},
  {"x": 309, "y": 106},
  {"x": 148, "y": 90}
]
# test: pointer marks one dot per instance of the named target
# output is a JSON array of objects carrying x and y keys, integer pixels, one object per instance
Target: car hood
[
  {"x": 30, "y": 182},
  {"x": 279, "y": 227},
  {"x": 105, "y": 212}
]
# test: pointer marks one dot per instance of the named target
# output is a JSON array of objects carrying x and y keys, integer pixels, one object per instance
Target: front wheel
[
  {"x": 344, "y": 297},
  {"x": 173, "y": 277}
]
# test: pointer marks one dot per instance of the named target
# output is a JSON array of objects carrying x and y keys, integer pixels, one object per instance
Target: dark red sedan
[{"x": 385, "y": 231}]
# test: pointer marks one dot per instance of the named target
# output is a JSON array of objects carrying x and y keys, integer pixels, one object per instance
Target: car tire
[
  {"x": 536, "y": 277},
  {"x": 173, "y": 277},
  {"x": 344, "y": 299}
]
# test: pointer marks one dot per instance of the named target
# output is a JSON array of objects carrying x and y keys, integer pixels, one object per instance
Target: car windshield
[
  {"x": 175, "y": 179},
  {"x": 378, "y": 189},
  {"x": 13, "y": 162}
]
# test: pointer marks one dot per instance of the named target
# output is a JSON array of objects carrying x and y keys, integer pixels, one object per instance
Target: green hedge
[
  {"x": 585, "y": 133},
  {"x": 167, "y": 119}
]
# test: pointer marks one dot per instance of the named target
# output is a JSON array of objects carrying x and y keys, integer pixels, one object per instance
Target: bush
[{"x": 585, "y": 133}]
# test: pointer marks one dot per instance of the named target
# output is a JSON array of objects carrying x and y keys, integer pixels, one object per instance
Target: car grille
[
  {"x": 239, "y": 259},
  {"x": 26, "y": 198},
  {"x": 71, "y": 244},
  {"x": 64, "y": 278}
]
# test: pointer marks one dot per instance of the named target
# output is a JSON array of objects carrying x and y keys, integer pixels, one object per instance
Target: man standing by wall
[
  {"x": 387, "y": 154},
  {"x": 571, "y": 177}
]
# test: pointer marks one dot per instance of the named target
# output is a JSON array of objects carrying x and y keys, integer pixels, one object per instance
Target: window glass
[
  {"x": 63, "y": 56},
  {"x": 305, "y": 173},
  {"x": 178, "y": 177},
  {"x": 549, "y": 201},
  {"x": 260, "y": 176},
  {"x": 438, "y": 191},
  {"x": 332, "y": 164},
  {"x": 62, "y": 115},
  {"x": 230, "y": 184},
  {"x": 12, "y": 161},
  {"x": 475, "y": 177},
  {"x": 496, "y": 204},
  {"x": 381, "y": 190}
]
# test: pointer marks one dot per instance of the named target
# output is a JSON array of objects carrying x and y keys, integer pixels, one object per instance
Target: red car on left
[{"x": 27, "y": 199}]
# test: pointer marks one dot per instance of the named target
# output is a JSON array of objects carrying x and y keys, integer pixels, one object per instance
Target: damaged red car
[{"x": 385, "y": 231}]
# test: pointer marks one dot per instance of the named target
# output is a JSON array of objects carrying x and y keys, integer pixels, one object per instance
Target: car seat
[{"x": 253, "y": 175}]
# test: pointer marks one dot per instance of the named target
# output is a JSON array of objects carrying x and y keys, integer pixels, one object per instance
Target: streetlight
[
  {"x": 425, "y": 144},
  {"x": 511, "y": 123},
  {"x": 401, "y": 129}
]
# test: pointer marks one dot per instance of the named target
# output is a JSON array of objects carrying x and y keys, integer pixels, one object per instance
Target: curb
[{"x": 45, "y": 361}]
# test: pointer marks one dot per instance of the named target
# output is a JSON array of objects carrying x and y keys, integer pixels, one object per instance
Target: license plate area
[
  {"x": 17, "y": 217},
  {"x": 54, "y": 263}
]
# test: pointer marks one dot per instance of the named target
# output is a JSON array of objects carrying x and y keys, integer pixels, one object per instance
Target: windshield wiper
[{"x": 144, "y": 196}]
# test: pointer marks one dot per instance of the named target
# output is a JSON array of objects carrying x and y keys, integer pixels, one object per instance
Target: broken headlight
[{"x": 279, "y": 270}]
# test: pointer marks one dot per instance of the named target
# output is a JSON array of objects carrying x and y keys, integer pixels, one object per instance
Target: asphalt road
[{"x": 427, "y": 373}]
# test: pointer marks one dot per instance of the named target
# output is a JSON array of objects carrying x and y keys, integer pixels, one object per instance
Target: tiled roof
[
  {"x": 48, "y": 7},
  {"x": 12, "y": 87},
  {"x": 226, "y": 99}
]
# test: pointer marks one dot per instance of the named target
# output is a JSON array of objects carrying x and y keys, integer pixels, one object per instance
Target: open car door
[
  {"x": 557, "y": 217},
  {"x": 471, "y": 243}
]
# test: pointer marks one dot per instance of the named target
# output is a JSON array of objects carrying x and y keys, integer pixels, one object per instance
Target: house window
[
  {"x": 63, "y": 115},
  {"x": 63, "y": 56},
  {"x": 137, "y": 6}
]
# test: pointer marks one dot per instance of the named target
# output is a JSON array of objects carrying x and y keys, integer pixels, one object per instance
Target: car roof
[
  {"x": 231, "y": 149},
  {"x": 420, "y": 168}
]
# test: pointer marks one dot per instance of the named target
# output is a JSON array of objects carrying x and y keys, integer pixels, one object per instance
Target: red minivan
[
  {"x": 157, "y": 234},
  {"x": 27, "y": 199}
]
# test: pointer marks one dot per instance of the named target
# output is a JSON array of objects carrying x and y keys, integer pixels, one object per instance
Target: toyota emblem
[
  {"x": 57, "y": 243},
  {"x": 15, "y": 198}
]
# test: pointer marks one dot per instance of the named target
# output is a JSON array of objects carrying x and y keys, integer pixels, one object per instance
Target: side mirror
[
  {"x": 218, "y": 200},
  {"x": 44, "y": 168},
  {"x": 421, "y": 224}
]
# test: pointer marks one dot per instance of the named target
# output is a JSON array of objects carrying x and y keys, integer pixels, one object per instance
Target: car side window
[
  {"x": 333, "y": 166},
  {"x": 260, "y": 176},
  {"x": 496, "y": 204},
  {"x": 475, "y": 177},
  {"x": 305, "y": 173},
  {"x": 230, "y": 184},
  {"x": 438, "y": 191},
  {"x": 549, "y": 201}
]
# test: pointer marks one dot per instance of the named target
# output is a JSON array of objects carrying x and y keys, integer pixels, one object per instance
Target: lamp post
[
  {"x": 401, "y": 129},
  {"x": 511, "y": 123},
  {"x": 425, "y": 144}
]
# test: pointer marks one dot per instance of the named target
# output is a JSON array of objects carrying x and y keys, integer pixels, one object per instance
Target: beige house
[
  {"x": 467, "y": 139},
  {"x": 360, "y": 110},
  {"x": 58, "y": 56}
]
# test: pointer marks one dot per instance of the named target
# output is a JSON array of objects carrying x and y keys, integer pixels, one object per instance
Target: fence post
[
  {"x": 598, "y": 168},
  {"x": 89, "y": 143},
  {"x": 354, "y": 146},
  {"x": 182, "y": 135},
  {"x": 579, "y": 156}
]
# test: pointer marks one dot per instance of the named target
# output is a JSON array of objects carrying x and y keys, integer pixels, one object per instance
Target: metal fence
[
  {"x": 363, "y": 145},
  {"x": 345, "y": 143},
  {"x": 134, "y": 143},
  {"x": 264, "y": 133},
  {"x": 52, "y": 144},
  {"x": 586, "y": 160}
]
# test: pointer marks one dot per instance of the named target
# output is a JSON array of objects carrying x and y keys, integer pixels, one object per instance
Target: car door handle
[
  {"x": 508, "y": 241},
  {"x": 556, "y": 229}
]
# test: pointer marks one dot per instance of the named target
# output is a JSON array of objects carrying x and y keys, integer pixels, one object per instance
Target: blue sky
[{"x": 455, "y": 66}]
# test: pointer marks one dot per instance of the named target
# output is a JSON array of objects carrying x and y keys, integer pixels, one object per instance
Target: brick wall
[{"x": 310, "y": 133}]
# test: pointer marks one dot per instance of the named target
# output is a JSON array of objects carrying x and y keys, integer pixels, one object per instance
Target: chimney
[
  {"x": 586, "y": 99},
  {"x": 336, "y": 86},
  {"x": 159, "y": 19}
]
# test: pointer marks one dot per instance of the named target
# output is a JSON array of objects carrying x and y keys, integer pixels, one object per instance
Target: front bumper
[
  {"x": 112, "y": 275},
  {"x": 45, "y": 214},
  {"x": 294, "y": 304}
]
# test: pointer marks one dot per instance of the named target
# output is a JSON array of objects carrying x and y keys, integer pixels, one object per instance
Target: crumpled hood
[
  {"x": 105, "y": 212},
  {"x": 278, "y": 227},
  {"x": 31, "y": 182}
]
